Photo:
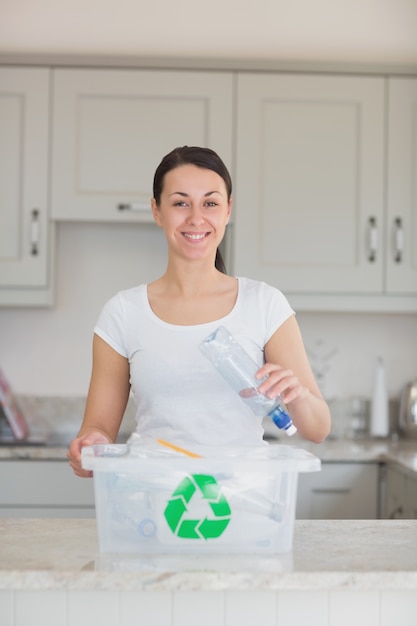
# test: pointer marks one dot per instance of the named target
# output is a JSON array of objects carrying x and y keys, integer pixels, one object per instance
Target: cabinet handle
[
  {"x": 134, "y": 206},
  {"x": 34, "y": 232},
  {"x": 399, "y": 240},
  {"x": 373, "y": 239}
]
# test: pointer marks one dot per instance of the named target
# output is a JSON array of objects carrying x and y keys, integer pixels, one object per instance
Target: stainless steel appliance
[{"x": 408, "y": 410}]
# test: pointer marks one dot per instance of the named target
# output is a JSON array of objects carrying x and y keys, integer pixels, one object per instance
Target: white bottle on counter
[{"x": 379, "y": 418}]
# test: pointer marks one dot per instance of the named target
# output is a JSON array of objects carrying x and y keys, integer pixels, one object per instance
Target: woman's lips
[{"x": 195, "y": 236}]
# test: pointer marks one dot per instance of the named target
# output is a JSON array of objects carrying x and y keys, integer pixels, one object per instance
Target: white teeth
[{"x": 194, "y": 236}]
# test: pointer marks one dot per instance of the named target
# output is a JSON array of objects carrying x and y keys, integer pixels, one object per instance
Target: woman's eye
[{"x": 211, "y": 204}]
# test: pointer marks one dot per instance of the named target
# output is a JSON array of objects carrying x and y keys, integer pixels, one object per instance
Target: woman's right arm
[{"x": 106, "y": 402}]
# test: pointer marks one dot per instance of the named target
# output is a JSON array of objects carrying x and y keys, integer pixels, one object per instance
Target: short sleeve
[
  {"x": 111, "y": 325},
  {"x": 277, "y": 310}
]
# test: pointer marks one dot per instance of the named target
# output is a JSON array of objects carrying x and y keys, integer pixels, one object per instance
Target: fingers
[
  {"x": 280, "y": 382},
  {"x": 74, "y": 451}
]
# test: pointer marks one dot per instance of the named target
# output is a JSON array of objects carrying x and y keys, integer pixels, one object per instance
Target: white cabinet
[
  {"x": 44, "y": 489},
  {"x": 310, "y": 212},
  {"x": 112, "y": 127},
  {"x": 25, "y": 238},
  {"x": 339, "y": 491},
  {"x": 402, "y": 186},
  {"x": 401, "y": 494}
]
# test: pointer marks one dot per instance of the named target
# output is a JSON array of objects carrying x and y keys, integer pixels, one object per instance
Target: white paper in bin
[{"x": 229, "y": 501}]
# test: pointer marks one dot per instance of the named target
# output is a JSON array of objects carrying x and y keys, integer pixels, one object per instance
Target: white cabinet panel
[
  {"x": 401, "y": 495},
  {"x": 411, "y": 498},
  {"x": 44, "y": 489},
  {"x": 310, "y": 182},
  {"x": 395, "y": 494},
  {"x": 402, "y": 186},
  {"x": 112, "y": 127},
  {"x": 24, "y": 227},
  {"x": 339, "y": 491}
]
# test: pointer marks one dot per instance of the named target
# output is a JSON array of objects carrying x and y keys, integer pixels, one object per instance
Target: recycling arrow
[{"x": 176, "y": 508}]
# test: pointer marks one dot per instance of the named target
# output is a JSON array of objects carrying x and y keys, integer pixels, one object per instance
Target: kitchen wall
[{"x": 48, "y": 351}]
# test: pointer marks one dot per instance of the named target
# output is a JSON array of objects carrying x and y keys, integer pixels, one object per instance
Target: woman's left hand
[{"x": 281, "y": 382}]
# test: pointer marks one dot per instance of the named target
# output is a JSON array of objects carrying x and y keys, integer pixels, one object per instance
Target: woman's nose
[{"x": 196, "y": 217}]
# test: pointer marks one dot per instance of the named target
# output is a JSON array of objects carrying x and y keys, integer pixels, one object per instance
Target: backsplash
[
  {"x": 61, "y": 415},
  {"x": 47, "y": 415}
]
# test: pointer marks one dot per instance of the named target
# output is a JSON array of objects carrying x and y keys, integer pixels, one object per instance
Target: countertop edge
[{"x": 208, "y": 581}]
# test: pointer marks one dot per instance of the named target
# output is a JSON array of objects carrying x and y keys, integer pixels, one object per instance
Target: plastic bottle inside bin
[{"x": 238, "y": 368}]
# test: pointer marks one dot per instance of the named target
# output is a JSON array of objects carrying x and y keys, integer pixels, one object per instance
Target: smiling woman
[
  {"x": 193, "y": 209},
  {"x": 215, "y": 191},
  {"x": 147, "y": 338}
]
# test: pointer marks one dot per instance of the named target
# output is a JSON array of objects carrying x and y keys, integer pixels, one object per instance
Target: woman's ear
[
  {"x": 229, "y": 210},
  {"x": 155, "y": 212}
]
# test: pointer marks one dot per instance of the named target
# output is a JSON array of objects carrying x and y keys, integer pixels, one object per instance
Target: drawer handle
[
  {"x": 34, "y": 232},
  {"x": 373, "y": 239},
  {"x": 134, "y": 206},
  {"x": 399, "y": 240}
]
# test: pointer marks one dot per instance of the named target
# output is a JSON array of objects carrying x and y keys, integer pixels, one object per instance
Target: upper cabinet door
[
  {"x": 112, "y": 128},
  {"x": 402, "y": 186},
  {"x": 309, "y": 214},
  {"x": 24, "y": 121}
]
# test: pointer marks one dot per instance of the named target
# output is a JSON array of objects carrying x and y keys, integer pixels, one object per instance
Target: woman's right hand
[{"x": 74, "y": 452}]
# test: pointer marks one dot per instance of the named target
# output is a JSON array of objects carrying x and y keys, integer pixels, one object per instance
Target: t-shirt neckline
[{"x": 162, "y": 322}]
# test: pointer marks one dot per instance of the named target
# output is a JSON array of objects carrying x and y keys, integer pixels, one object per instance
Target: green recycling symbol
[{"x": 205, "y": 528}]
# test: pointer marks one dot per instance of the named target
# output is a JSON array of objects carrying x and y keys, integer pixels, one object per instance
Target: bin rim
[{"x": 276, "y": 457}]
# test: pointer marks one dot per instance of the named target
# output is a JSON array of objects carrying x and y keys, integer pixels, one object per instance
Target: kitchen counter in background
[
  {"x": 57, "y": 420},
  {"x": 362, "y": 570},
  {"x": 400, "y": 452}
]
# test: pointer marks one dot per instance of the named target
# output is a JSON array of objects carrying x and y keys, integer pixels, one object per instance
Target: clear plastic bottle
[{"x": 238, "y": 368}]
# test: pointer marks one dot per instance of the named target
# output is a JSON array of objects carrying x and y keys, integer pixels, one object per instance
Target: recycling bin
[{"x": 239, "y": 501}]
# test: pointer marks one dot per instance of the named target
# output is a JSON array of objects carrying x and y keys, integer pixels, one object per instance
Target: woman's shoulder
[
  {"x": 131, "y": 294},
  {"x": 263, "y": 295},
  {"x": 256, "y": 288},
  {"x": 124, "y": 299}
]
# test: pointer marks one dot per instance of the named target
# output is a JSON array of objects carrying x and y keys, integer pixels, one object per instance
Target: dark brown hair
[{"x": 200, "y": 157}]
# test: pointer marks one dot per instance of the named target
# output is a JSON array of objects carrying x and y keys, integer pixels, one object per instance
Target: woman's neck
[
  {"x": 192, "y": 298},
  {"x": 190, "y": 280}
]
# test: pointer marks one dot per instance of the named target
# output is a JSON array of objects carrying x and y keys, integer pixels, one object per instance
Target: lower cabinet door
[
  {"x": 30, "y": 488},
  {"x": 339, "y": 491}
]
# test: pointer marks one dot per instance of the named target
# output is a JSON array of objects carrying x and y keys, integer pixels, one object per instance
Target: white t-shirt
[{"x": 179, "y": 395}]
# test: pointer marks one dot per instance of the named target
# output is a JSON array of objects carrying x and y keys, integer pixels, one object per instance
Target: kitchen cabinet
[
  {"x": 401, "y": 494},
  {"x": 402, "y": 186},
  {"x": 25, "y": 234},
  {"x": 35, "y": 488},
  {"x": 112, "y": 127},
  {"x": 311, "y": 215},
  {"x": 339, "y": 491}
]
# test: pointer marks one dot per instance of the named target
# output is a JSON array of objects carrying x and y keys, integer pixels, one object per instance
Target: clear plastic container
[
  {"x": 238, "y": 368},
  {"x": 239, "y": 501}
]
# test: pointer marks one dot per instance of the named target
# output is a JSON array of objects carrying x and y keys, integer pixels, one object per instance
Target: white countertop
[
  {"x": 60, "y": 419},
  {"x": 401, "y": 451},
  {"x": 43, "y": 554}
]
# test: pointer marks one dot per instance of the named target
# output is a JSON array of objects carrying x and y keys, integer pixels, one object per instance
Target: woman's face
[{"x": 193, "y": 211}]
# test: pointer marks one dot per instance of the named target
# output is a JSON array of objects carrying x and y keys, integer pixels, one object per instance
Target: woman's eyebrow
[{"x": 184, "y": 194}]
